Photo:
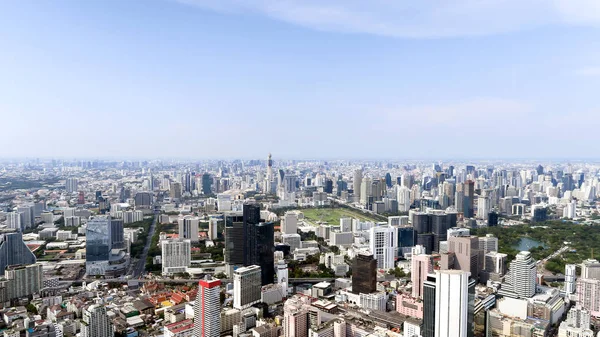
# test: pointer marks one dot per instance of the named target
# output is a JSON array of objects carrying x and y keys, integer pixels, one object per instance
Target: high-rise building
[
  {"x": 259, "y": 243},
  {"x": 13, "y": 220},
  {"x": 570, "y": 276},
  {"x": 188, "y": 227},
  {"x": 27, "y": 216},
  {"x": 384, "y": 245},
  {"x": 357, "y": 182},
  {"x": 467, "y": 254},
  {"x": 421, "y": 266},
  {"x": 96, "y": 322},
  {"x": 364, "y": 274},
  {"x": 483, "y": 207},
  {"x": 453, "y": 304},
  {"x": 282, "y": 276},
  {"x": 246, "y": 286},
  {"x": 13, "y": 251},
  {"x": 488, "y": 243},
  {"x": 588, "y": 295},
  {"x": 234, "y": 239},
  {"x": 520, "y": 281},
  {"x": 590, "y": 268},
  {"x": 103, "y": 234},
  {"x": 21, "y": 281},
  {"x": 71, "y": 185},
  {"x": 577, "y": 324},
  {"x": 143, "y": 200},
  {"x": 207, "y": 182},
  {"x": 289, "y": 225},
  {"x": 176, "y": 255},
  {"x": 295, "y": 317},
  {"x": 207, "y": 308},
  {"x": 469, "y": 198},
  {"x": 494, "y": 267}
]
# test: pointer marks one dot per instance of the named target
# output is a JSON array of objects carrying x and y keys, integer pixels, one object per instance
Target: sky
[{"x": 304, "y": 79}]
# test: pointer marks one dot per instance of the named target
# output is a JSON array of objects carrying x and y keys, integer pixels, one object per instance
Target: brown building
[
  {"x": 364, "y": 274},
  {"x": 467, "y": 255}
]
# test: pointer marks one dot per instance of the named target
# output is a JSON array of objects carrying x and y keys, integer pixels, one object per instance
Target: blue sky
[{"x": 300, "y": 79}]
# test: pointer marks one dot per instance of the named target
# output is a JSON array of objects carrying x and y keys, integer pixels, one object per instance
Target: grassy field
[{"x": 333, "y": 215}]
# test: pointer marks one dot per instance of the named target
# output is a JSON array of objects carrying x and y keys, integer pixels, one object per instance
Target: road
[{"x": 139, "y": 268}]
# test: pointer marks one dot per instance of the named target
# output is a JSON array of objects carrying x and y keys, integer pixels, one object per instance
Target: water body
[{"x": 527, "y": 243}]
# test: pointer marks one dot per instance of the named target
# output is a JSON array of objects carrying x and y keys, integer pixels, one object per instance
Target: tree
[{"x": 31, "y": 308}]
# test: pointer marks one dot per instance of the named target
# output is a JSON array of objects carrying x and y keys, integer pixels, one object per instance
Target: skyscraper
[
  {"x": 176, "y": 255},
  {"x": 357, "y": 182},
  {"x": 590, "y": 268},
  {"x": 421, "y": 266},
  {"x": 469, "y": 199},
  {"x": 384, "y": 245},
  {"x": 71, "y": 185},
  {"x": 295, "y": 317},
  {"x": 13, "y": 251},
  {"x": 454, "y": 304},
  {"x": 469, "y": 257},
  {"x": 570, "y": 276},
  {"x": 364, "y": 274},
  {"x": 207, "y": 318},
  {"x": 520, "y": 281},
  {"x": 27, "y": 217},
  {"x": 188, "y": 227},
  {"x": 102, "y": 235},
  {"x": 234, "y": 239},
  {"x": 207, "y": 181},
  {"x": 23, "y": 281},
  {"x": 96, "y": 322},
  {"x": 246, "y": 286},
  {"x": 259, "y": 243}
]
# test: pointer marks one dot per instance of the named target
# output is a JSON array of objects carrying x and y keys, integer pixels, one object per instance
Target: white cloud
[
  {"x": 588, "y": 71},
  {"x": 416, "y": 18}
]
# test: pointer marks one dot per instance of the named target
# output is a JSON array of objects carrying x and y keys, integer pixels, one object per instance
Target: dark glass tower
[
  {"x": 234, "y": 239},
  {"x": 429, "y": 307},
  {"x": 259, "y": 243},
  {"x": 364, "y": 274},
  {"x": 13, "y": 251}
]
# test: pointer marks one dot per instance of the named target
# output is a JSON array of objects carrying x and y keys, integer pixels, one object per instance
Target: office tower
[
  {"x": 483, "y": 207},
  {"x": 96, "y": 322},
  {"x": 282, "y": 276},
  {"x": 21, "y": 281},
  {"x": 403, "y": 197},
  {"x": 366, "y": 187},
  {"x": 364, "y": 274},
  {"x": 13, "y": 251},
  {"x": 234, "y": 239},
  {"x": 175, "y": 190},
  {"x": 448, "y": 304},
  {"x": 421, "y": 223},
  {"x": 289, "y": 224},
  {"x": 213, "y": 229},
  {"x": 259, "y": 243},
  {"x": 429, "y": 306},
  {"x": 71, "y": 185},
  {"x": 469, "y": 198},
  {"x": 492, "y": 219},
  {"x": 357, "y": 183},
  {"x": 98, "y": 244},
  {"x": 590, "y": 268},
  {"x": 207, "y": 308},
  {"x": 295, "y": 317},
  {"x": 407, "y": 237},
  {"x": 117, "y": 234},
  {"x": 188, "y": 228},
  {"x": 440, "y": 223},
  {"x": 420, "y": 267},
  {"x": 143, "y": 200},
  {"x": 520, "y": 281},
  {"x": 488, "y": 243},
  {"x": 246, "y": 287},
  {"x": 426, "y": 240},
  {"x": 103, "y": 234},
  {"x": 588, "y": 295},
  {"x": 176, "y": 255},
  {"x": 407, "y": 180},
  {"x": 570, "y": 276},
  {"x": 467, "y": 254},
  {"x": 13, "y": 220},
  {"x": 384, "y": 246},
  {"x": 27, "y": 218},
  {"x": 207, "y": 181}
]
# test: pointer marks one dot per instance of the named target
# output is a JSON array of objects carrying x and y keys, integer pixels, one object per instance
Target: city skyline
[{"x": 207, "y": 79}]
